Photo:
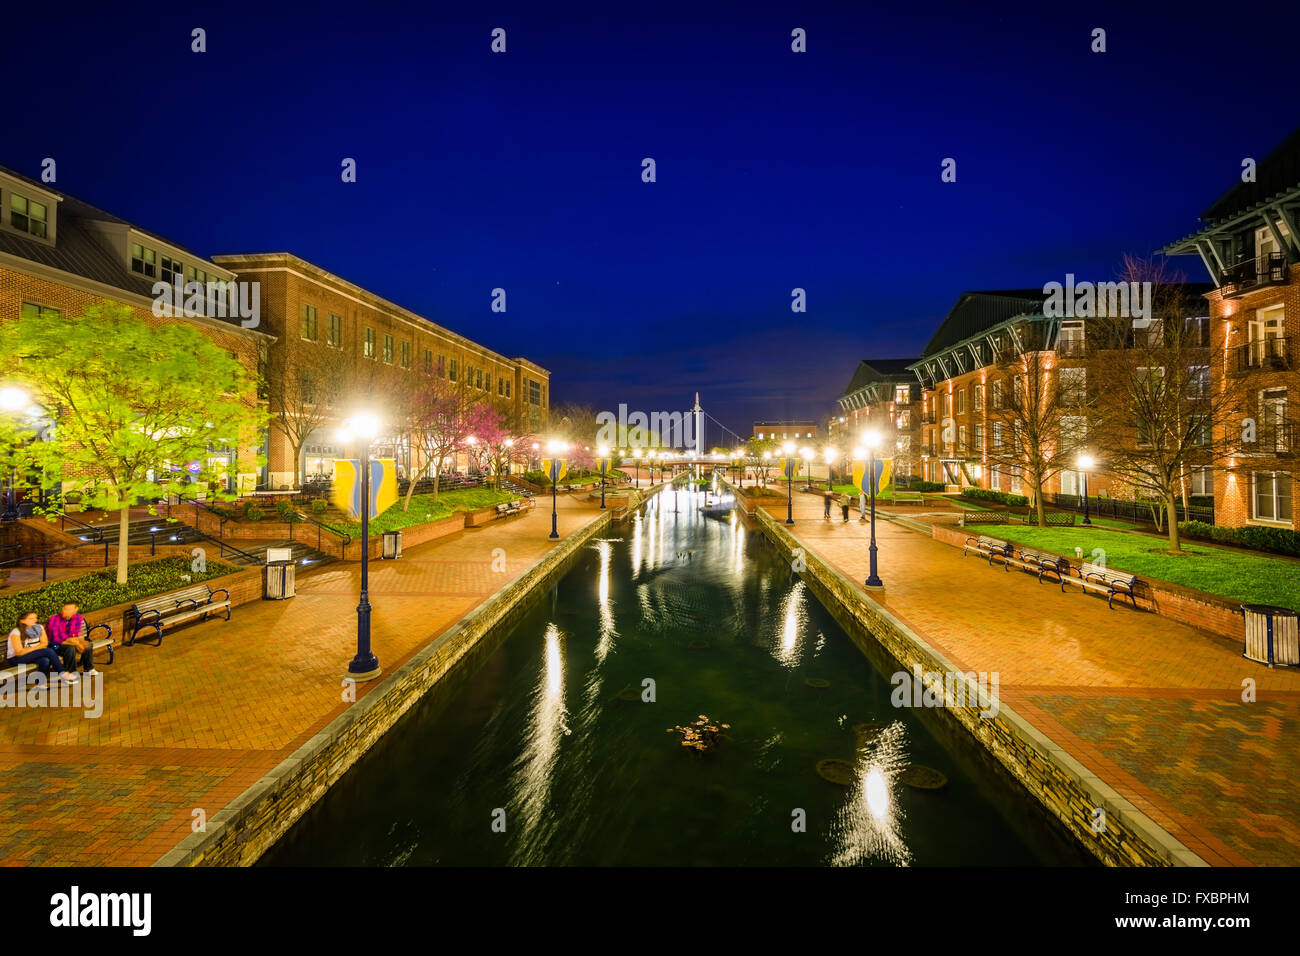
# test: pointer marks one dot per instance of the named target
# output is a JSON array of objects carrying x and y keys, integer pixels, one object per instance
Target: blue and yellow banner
[
  {"x": 555, "y": 469},
  {"x": 789, "y": 466},
  {"x": 346, "y": 490},
  {"x": 884, "y": 474},
  {"x": 604, "y": 466}
]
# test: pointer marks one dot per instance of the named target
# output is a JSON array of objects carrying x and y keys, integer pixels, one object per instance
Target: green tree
[{"x": 128, "y": 404}]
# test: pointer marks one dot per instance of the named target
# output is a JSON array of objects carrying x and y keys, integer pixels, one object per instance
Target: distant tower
[{"x": 699, "y": 427}]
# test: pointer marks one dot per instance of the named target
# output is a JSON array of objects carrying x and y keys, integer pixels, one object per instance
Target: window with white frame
[
  {"x": 1202, "y": 481},
  {"x": 27, "y": 215},
  {"x": 1074, "y": 386},
  {"x": 1271, "y": 494},
  {"x": 144, "y": 261}
]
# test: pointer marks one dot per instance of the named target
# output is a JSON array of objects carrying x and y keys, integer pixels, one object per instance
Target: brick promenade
[
  {"x": 1151, "y": 706},
  {"x": 193, "y": 723}
]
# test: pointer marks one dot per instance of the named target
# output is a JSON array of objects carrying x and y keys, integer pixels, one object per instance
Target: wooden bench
[
  {"x": 1037, "y": 562},
  {"x": 987, "y": 547},
  {"x": 1107, "y": 581},
  {"x": 507, "y": 508},
  {"x": 175, "y": 608},
  {"x": 907, "y": 497},
  {"x": 18, "y": 670}
]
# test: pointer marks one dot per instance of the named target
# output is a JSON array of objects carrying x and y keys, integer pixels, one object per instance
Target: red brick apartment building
[
  {"x": 1250, "y": 246},
  {"x": 884, "y": 396},
  {"x": 60, "y": 254}
]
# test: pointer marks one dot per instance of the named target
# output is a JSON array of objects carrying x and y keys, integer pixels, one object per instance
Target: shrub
[
  {"x": 926, "y": 486},
  {"x": 537, "y": 477},
  {"x": 318, "y": 507},
  {"x": 1001, "y": 497},
  {"x": 284, "y": 510},
  {"x": 252, "y": 512},
  {"x": 1256, "y": 537}
]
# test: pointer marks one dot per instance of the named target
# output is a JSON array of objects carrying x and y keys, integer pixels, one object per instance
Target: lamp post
[
  {"x": 363, "y": 427},
  {"x": 12, "y": 399},
  {"x": 788, "y": 464},
  {"x": 555, "y": 448},
  {"x": 872, "y": 440},
  {"x": 830, "y": 454},
  {"x": 807, "y": 454},
  {"x": 636, "y": 457},
  {"x": 1085, "y": 464},
  {"x": 602, "y": 451},
  {"x": 767, "y": 458}
]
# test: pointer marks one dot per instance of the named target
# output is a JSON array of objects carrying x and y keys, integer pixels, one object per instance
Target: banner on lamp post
[
  {"x": 789, "y": 466},
  {"x": 555, "y": 469},
  {"x": 884, "y": 474},
  {"x": 345, "y": 493},
  {"x": 604, "y": 466}
]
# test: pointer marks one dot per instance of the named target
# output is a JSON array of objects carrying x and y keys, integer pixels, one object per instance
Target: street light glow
[
  {"x": 871, "y": 439},
  {"x": 13, "y": 398},
  {"x": 1086, "y": 462}
]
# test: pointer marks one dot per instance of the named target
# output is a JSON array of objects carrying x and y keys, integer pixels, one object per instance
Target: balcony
[
  {"x": 928, "y": 418},
  {"x": 1071, "y": 348},
  {"x": 1260, "y": 272},
  {"x": 1263, "y": 355},
  {"x": 1276, "y": 440}
]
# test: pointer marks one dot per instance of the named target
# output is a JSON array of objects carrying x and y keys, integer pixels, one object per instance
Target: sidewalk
[
  {"x": 1151, "y": 706},
  {"x": 189, "y": 725}
]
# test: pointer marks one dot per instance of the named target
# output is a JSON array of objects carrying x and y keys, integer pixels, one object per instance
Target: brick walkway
[
  {"x": 189, "y": 725},
  {"x": 1151, "y": 706}
]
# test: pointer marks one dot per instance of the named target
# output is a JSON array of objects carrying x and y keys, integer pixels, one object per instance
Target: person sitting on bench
[
  {"x": 28, "y": 645},
  {"x": 65, "y": 630}
]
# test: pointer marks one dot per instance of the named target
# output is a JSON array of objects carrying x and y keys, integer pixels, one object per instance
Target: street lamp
[
  {"x": 636, "y": 458},
  {"x": 808, "y": 454},
  {"x": 788, "y": 463},
  {"x": 363, "y": 427},
  {"x": 1085, "y": 465},
  {"x": 872, "y": 441},
  {"x": 602, "y": 451},
  {"x": 830, "y": 454},
  {"x": 555, "y": 448}
]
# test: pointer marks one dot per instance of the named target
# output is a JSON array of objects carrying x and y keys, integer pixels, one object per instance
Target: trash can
[
  {"x": 392, "y": 544},
  {"x": 280, "y": 584},
  {"x": 1272, "y": 634}
]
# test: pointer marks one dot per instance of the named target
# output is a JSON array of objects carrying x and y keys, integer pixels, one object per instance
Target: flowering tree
[
  {"x": 441, "y": 416},
  {"x": 129, "y": 404}
]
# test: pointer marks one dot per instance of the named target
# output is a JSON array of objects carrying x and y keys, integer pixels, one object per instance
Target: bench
[
  {"x": 1037, "y": 562},
  {"x": 18, "y": 670},
  {"x": 1108, "y": 581},
  {"x": 907, "y": 497},
  {"x": 175, "y": 608},
  {"x": 987, "y": 547},
  {"x": 507, "y": 508}
]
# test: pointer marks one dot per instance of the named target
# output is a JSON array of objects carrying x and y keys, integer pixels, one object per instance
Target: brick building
[
  {"x": 804, "y": 432},
  {"x": 58, "y": 254},
  {"x": 1250, "y": 246},
  {"x": 321, "y": 321},
  {"x": 883, "y": 395}
]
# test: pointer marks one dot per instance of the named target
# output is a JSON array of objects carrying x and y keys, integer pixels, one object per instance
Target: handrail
[
  {"x": 45, "y": 555},
  {"x": 221, "y": 519},
  {"x": 224, "y": 547},
  {"x": 337, "y": 532},
  {"x": 98, "y": 532}
]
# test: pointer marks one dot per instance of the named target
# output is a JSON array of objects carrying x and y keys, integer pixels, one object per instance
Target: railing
[
  {"x": 1268, "y": 269},
  {"x": 65, "y": 519},
  {"x": 1126, "y": 509},
  {"x": 45, "y": 556},
  {"x": 1263, "y": 354},
  {"x": 1274, "y": 438},
  {"x": 345, "y": 539},
  {"x": 1071, "y": 348},
  {"x": 221, "y": 519},
  {"x": 223, "y": 547}
]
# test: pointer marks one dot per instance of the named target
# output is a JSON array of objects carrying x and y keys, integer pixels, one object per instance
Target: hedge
[
  {"x": 926, "y": 486},
  {"x": 1001, "y": 497},
  {"x": 100, "y": 588},
  {"x": 1255, "y": 537}
]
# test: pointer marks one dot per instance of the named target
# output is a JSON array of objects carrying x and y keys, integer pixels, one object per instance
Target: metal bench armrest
[
  {"x": 98, "y": 627},
  {"x": 212, "y": 595}
]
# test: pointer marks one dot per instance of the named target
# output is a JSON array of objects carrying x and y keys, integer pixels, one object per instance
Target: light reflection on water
[{"x": 553, "y": 730}]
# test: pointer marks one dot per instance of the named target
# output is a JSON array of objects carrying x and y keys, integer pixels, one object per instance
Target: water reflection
[
  {"x": 546, "y": 727},
  {"x": 793, "y": 617},
  {"x": 868, "y": 828}
]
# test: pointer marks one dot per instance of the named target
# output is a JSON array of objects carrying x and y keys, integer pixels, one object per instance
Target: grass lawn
[
  {"x": 1239, "y": 576},
  {"x": 100, "y": 588},
  {"x": 424, "y": 508}
]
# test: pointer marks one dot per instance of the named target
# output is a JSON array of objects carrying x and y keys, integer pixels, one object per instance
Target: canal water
[{"x": 548, "y": 752}]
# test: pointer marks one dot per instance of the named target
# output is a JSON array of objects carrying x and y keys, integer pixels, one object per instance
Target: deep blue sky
[{"x": 775, "y": 169}]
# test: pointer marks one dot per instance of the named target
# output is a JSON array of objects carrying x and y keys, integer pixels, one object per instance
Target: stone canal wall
[
  {"x": 1067, "y": 789},
  {"x": 248, "y": 827}
]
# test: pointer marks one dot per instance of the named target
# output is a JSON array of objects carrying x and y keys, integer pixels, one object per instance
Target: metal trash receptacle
[
  {"x": 392, "y": 544},
  {"x": 1272, "y": 634},
  {"x": 280, "y": 583}
]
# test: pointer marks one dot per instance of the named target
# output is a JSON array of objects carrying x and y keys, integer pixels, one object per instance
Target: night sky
[{"x": 775, "y": 170}]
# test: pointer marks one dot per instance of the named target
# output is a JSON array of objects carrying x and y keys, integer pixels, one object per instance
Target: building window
[
  {"x": 388, "y": 349},
  {"x": 997, "y": 435},
  {"x": 978, "y": 397},
  {"x": 452, "y": 376},
  {"x": 335, "y": 335},
  {"x": 508, "y": 384},
  {"x": 961, "y": 401},
  {"x": 487, "y": 382},
  {"x": 27, "y": 215},
  {"x": 143, "y": 260},
  {"x": 978, "y": 435},
  {"x": 31, "y": 310},
  {"x": 442, "y": 366},
  {"x": 428, "y": 362},
  {"x": 171, "y": 269},
  {"x": 368, "y": 350},
  {"x": 501, "y": 385},
  {"x": 1272, "y": 496},
  {"x": 1074, "y": 386},
  {"x": 195, "y": 275},
  {"x": 406, "y": 354},
  {"x": 478, "y": 378},
  {"x": 961, "y": 439},
  {"x": 902, "y": 394},
  {"x": 534, "y": 392},
  {"x": 1264, "y": 334},
  {"x": 1202, "y": 481},
  {"x": 308, "y": 322}
]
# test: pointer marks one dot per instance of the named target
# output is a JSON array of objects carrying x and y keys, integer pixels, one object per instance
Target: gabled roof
[
  {"x": 880, "y": 370},
  {"x": 977, "y": 311},
  {"x": 78, "y": 248},
  {"x": 1278, "y": 172}
]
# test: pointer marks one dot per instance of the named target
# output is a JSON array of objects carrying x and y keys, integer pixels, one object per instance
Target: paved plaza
[
  {"x": 1153, "y": 707},
  {"x": 191, "y": 724}
]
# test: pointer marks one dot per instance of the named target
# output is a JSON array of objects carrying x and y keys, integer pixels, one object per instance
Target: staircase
[
  {"x": 143, "y": 531},
  {"x": 304, "y": 555},
  {"x": 164, "y": 532}
]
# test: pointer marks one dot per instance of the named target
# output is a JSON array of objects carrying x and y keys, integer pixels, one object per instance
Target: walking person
[{"x": 826, "y": 515}]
